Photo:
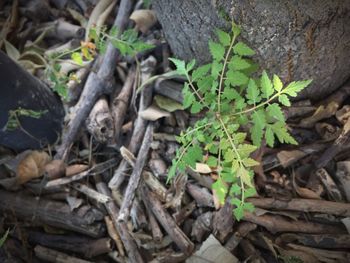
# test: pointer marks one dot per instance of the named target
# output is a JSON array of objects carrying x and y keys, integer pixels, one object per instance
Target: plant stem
[{"x": 223, "y": 72}]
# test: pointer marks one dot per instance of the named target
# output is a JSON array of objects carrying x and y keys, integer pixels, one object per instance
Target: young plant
[{"x": 240, "y": 111}]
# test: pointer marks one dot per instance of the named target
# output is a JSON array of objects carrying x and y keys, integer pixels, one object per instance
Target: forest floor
[{"x": 101, "y": 193}]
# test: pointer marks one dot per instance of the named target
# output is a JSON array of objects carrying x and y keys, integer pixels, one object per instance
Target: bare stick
[
  {"x": 96, "y": 84},
  {"x": 51, "y": 255},
  {"x": 136, "y": 175},
  {"x": 303, "y": 205},
  {"x": 167, "y": 222}
]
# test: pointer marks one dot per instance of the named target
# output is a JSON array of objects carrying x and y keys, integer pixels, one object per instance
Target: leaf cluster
[{"x": 232, "y": 98}]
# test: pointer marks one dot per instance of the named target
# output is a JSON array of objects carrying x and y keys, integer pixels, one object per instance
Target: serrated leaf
[
  {"x": 236, "y": 30},
  {"x": 269, "y": 137},
  {"x": 249, "y": 192},
  {"x": 224, "y": 38},
  {"x": 204, "y": 84},
  {"x": 249, "y": 162},
  {"x": 253, "y": 93},
  {"x": 193, "y": 155},
  {"x": 172, "y": 171},
  {"x": 212, "y": 161},
  {"x": 190, "y": 65},
  {"x": 238, "y": 212},
  {"x": 248, "y": 206},
  {"x": 243, "y": 174},
  {"x": 277, "y": 83},
  {"x": 275, "y": 111},
  {"x": 167, "y": 104},
  {"x": 295, "y": 87},
  {"x": 259, "y": 122},
  {"x": 229, "y": 155},
  {"x": 236, "y": 78},
  {"x": 230, "y": 93},
  {"x": 234, "y": 165},
  {"x": 266, "y": 85},
  {"x": 283, "y": 99},
  {"x": 216, "y": 69},
  {"x": 242, "y": 49},
  {"x": 280, "y": 129},
  {"x": 244, "y": 150},
  {"x": 180, "y": 66},
  {"x": 188, "y": 96},
  {"x": 238, "y": 63},
  {"x": 196, "y": 107},
  {"x": 77, "y": 58},
  {"x": 220, "y": 189},
  {"x": 200, "y": 72},
  {"x": 235, "y": 190},
  {"x": 217, "y": 51},
  {"x": 239, "y": 137}
]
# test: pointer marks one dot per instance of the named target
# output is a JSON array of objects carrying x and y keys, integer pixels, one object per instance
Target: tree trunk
[
  {"x": 298, "y": 39},
  {"x": 21, "y": 90}
]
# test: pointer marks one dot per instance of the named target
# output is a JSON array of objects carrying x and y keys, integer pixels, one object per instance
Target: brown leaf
[
  {"x": 75, "y": 169},
  {"x": 55, "y": 169},
  {"x": 31, "y": 166},
  {"x": 144, "y": 19}
]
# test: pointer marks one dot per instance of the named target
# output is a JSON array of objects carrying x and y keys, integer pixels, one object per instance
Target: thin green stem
[
  {"x": 223, "y": 72},
  {"x": 190, "y": 83}
]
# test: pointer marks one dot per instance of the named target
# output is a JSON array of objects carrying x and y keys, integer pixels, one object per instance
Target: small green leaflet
[
  {"x": 296, "y": 86},
  {"x": 275, "y": 111},
  {"x": 259, "y": 122},
  {"x": 244, "y": 175},
  {"x": 249, "y": 162},
  {"x": 284, "y": 100},
  {"x": 188, "y": 96},
  {"x": 196, "y": 107},
  {"x": 238, "y": 212},
  {"x": 242, "y": 49},
  {"x": 4, "y": 237},
  {"x": 237, "y": 78},
  {"x": 269, "y": 137},
  {"x": 277, "y": 83},
  {"x": 220, "y": 189},
  {"x": 280, "y": 129},
  {"x": 224, "y": 38},
  {"x": 238, "y": 63},
  {"x": 200, "y": 72},
  {"x": 77, "y": 58},
  {"x": 180, "y": 66},
  {"x": 216, "y": 50},
  {"x": 194, "y": 154},
  {"x": 253, "y": 93},
  {"x": 266, "y": 85}
]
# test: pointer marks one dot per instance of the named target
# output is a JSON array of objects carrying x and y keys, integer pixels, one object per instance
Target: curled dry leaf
[
  {"x": 31, "y": 166},
  {"x": 153, "y": 113},
  {"x": 202, "y": 168},
  {"x": 144, "y": 19},
  {"x": 75, "y": 169},
  {"x": 55, "y": 169}
]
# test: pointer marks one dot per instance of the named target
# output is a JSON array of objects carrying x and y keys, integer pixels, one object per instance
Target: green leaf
[
  {"x": 190, "y": 65},
  {"x": 224, "y": 38},
  {"x": 238, "y": 212},
  {"x": 77, "y": 58},
  {"x": 238, "y": 63},
  {"x": 243, "y": 174},
  {"x": 180, "y": 66},
  {"x": 167, "y": 104},
  {"x": 216, "y": 69},
  {"x": 295, "y": 87},
  {"x": 243, "y": 50},
  {"x": 277, "y": 83},
  {"x": 193, "y": 155},
  {"x": 284, "y": 100},
  {"x": 172, "y": 171},
  {"x": 230, "y": 93},
  {"x": 244, "y": 150},
  {"x": 248, "y": 206},
  {"x": 249, "y": 162},
  {"x": 280, "y": 129},
  {"x": 275, "y": 111},
  {"x": 269, "y": 137},
  {"x": 259, "y": 122},
  {"x": 266, "y": 85},
  {"x": 216, "y": 50},
  {"x": 236, "y": 78},
  {"x": 212, "y": 161},
  {"x": 235, "y": 190},
  {"x": 140, "y": 46},
  {"x": 188, "y": 96},
  {"x": 229, "y": 155},
  {"x": 249, "y": 192},
  {"x": 220, "y": 189},
  {"x": 196, "y": 107},
  {"x": 236, "y": 30},
  {"x": 253, "y": 93},
  {"x": 200, "y": 72}
]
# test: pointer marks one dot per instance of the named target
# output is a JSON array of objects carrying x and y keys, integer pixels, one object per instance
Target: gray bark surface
[{"x": 307, "y": 39}]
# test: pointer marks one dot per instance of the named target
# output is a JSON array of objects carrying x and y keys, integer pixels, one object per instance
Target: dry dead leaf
[
  {"x": 55, "y": 169},
  {"x": 31, "y": 166},
  {"x": 144, "y": 19},
  {"x": 75, "y": 169},
  {"x": 202, "y": 168},
  {"x": 286, "y": 158},
  {"x": 322, "y": 112},
  {"x": 153, "y": 113}
]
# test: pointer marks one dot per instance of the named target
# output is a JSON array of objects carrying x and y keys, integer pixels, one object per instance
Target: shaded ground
[{"x": 104, "y": 198}]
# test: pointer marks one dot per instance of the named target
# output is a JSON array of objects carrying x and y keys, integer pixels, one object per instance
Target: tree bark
[{"x": 294, "y": 39}]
